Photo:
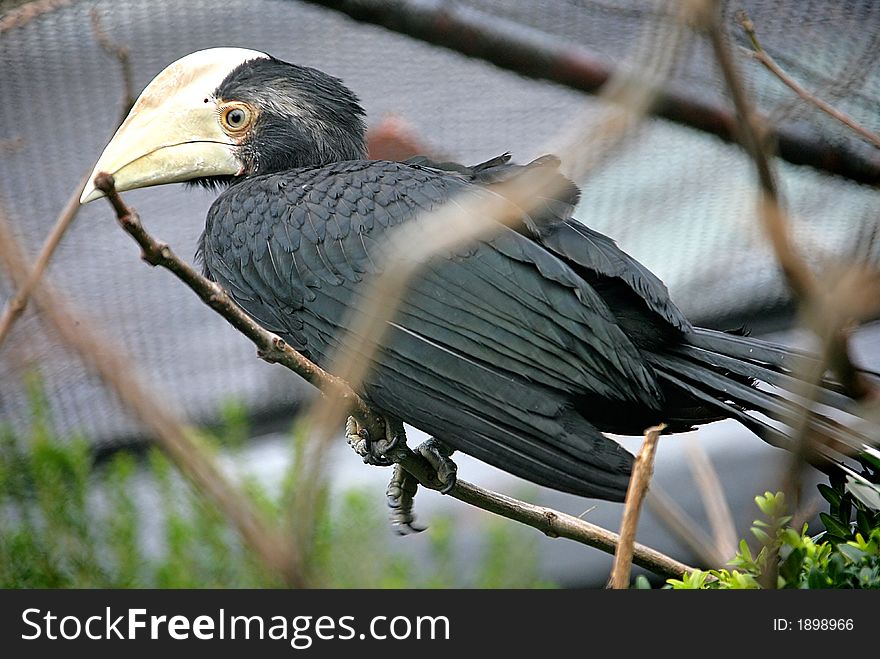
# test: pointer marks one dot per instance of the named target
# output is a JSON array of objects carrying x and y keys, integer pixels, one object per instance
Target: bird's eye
[{"x": 236, "y": 118}]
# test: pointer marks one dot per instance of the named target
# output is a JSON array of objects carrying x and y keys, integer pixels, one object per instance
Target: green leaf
[
  {"x": 816, "y": 580},
  {"x": 834, "y": 527},
  {"x": 830, "y": 495},
  {"x": 867, "y": 493},
  {"x": 863, "y": 522},
  {"x": 791, "y": 538},
  {"x": 642, "y": 583},
  {"x": 790, "y": 568},
  {"x": 871, "y": 459},
  {"x": 851, "y": 552},
  {"x": 762, "y": 535}
]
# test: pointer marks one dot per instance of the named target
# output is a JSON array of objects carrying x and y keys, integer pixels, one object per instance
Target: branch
[
  {"x": 535, "y": 54},
  {"x": 635, "y": 494},
  {"x": 17, "y": 304},
  {"x": 758, "y": 53},
  {"x": 120, "y": 54},
  {"x": 23, "y": 15},
  {"x": 800, "y": 279},
  {"x": 274, "y": 349},
  {"x": 715, "y": 503},
  {"x": 270, "y": 347}
]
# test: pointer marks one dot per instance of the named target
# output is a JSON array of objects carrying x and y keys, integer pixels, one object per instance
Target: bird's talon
[
  {"x": 359, "y": 438},
  {"x": 401, "y": 492},
  {"x": 437, "y": 454}
]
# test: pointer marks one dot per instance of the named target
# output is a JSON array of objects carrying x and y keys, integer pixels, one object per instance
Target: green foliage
[
  {"x": 845, "y": 555},
  {"x": 132, "y": 521}
]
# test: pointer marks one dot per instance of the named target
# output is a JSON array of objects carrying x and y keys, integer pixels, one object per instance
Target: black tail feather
[{"x": 746, "y": 379}]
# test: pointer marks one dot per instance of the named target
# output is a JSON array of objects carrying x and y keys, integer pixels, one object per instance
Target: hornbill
[{"x": 520, "y": 350}]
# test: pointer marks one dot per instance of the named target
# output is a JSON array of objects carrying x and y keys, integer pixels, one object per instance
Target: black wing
[
  {"x": 491, "y": 345},
  {"x": 579, "y": 246}
]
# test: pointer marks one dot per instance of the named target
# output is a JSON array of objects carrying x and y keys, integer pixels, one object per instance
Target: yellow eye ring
[{"x": 236, "y": 118}]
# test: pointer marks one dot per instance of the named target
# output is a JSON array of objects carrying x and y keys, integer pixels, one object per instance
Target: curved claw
[
  {"x": 363, "y": 444},
  {"x": 437, "y": 453},
  {"x": 401, "y": 492}
]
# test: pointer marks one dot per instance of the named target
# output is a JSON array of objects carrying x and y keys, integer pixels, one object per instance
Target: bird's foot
[
  {"x": 373, "y": 451},
  {"x": 438, "y": 455},
  {"x": 403, "y": 487},
  {"x": 401, "y": 494}
]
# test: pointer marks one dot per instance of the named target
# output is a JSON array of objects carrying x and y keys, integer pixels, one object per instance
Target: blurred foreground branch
[
  {"x": 826, "y": 300},
  {"x": 16, "y": 305},
  {"x": 25, "y": 286}
]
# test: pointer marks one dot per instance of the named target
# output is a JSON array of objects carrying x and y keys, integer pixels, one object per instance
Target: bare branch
[
  {"x": 270, "y": 347},
  {"x": 800, "y": 279},
  {"x": 714, "y": 501},
  {"x": 121, "y": 54},
  {"x": 555, "y": 524},
  {"x": 758, "y": 53},
  {"x": 16, "y": 305},
  {"x": 682, "y": 525},
  {"x": 638, "y": 485},
  {"x": 18, "y": 302}
]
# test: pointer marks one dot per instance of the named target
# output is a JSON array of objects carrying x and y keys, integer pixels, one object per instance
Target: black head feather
[{"x": 306, "y": 118}]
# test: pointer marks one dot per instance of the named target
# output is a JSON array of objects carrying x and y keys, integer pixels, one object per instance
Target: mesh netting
[{"x": 680, "y": 200}]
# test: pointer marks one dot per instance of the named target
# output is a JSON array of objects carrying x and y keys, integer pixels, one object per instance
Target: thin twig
[
  {"x": 635, "y": 495},
  {"x": 18, "y": 302},
  {"x": 714, "y": 500},
  {"x": 798, "y": 275},
  {"x": 121, "y": 54},
  {"x": 677, "y": 521},
  {"x": 803, "y": 284},
  {"x": 16, "y": 305},
  {"x": 555, "y": 524},
  {"x": 758, "y": 53},
  {"x": 273, "y": 348},
  {"x": 172, "y": 436},
  {"x": 800, "y": 279}
]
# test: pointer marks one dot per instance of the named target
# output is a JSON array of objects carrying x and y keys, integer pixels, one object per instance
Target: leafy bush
[
  {"x": 66, "y": 522},
  {"x": 845, "y": 555}
]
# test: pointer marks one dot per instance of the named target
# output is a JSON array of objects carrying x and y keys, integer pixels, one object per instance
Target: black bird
[{"x": 520, "y": 350}]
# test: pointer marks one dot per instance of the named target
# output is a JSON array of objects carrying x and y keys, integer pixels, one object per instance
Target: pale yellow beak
[{"x": 173, "y": 132}]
